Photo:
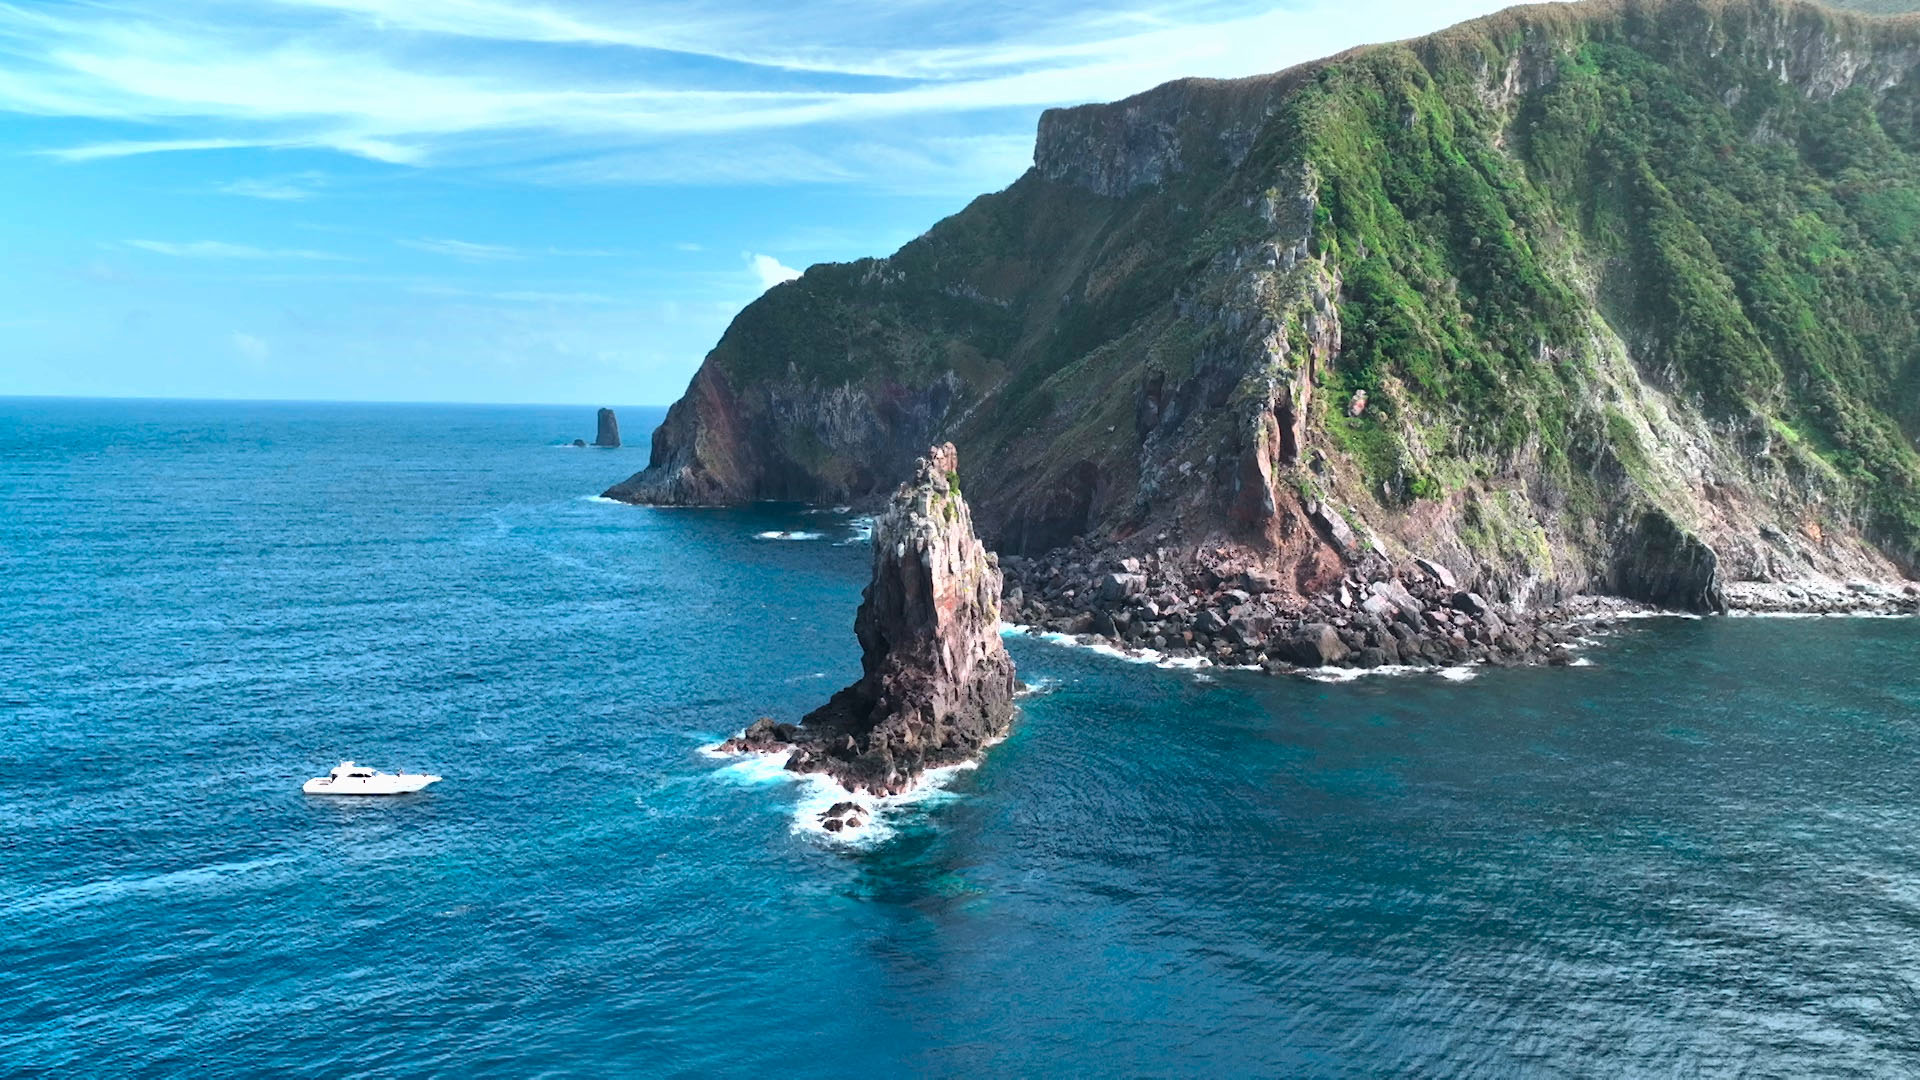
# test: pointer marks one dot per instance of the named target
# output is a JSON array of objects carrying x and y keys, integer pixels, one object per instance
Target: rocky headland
[
  {"x": 937, "y": 684},
  {"x": 1616, "y": 299}
]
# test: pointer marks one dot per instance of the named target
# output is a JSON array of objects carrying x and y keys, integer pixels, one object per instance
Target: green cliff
[{"x": 1609, "y": 296}]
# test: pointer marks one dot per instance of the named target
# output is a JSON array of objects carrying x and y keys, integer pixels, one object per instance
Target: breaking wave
[{"x": 819, "y": 793}]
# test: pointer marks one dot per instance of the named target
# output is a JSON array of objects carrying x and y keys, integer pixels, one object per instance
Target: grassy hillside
[{"x": 1756, "y": 247}]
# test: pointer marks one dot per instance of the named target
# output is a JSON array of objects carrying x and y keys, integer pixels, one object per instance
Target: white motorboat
[{"x": 350, "y": 779}]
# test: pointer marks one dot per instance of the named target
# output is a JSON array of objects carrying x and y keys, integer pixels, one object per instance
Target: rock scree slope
[{"x": 1616, "y": 297}]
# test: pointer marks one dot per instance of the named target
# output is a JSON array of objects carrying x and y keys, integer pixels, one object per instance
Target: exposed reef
[{"x": 938, "y": 684}]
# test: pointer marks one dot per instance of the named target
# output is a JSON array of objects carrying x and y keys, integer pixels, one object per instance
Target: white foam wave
[
  {"x": 1338, "y": 674},
  {"x": 601, "y": 499},
  {"x": 820, "y": 793},
  {"x": 1822, "y": 614},
  {"x": 1581, "y": 662},
  {"x": 789, "y": 535},
  {"x": 1641, "y": 614},
  {"x": 1459, "y": 673},
  {"x": 1037, "y": 687},
  {"x": 1106, "y": 648}
]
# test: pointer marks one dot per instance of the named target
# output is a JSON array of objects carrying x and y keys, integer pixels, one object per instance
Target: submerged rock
[
  {"x": 608, "y": 432},
  {"x": 938, "y": 683}
]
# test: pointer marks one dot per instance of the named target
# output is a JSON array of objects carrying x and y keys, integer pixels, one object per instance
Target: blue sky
[{"x": 517, "y": 201}]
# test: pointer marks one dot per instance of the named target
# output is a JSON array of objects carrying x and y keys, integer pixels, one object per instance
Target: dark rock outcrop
[
  {"x": 1663, "y": 563},
  {"x": 938, "y": 684},
  {"x": 608, "y": 432}
]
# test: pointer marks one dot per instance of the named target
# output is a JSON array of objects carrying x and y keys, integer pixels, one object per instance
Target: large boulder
[
  {"x": 1119, "y": 588},
  {"x": 1440, "y": 574},
  {"x": 1313, "y": 645},
  {"x": 1336, "y": 529},
  {"x": 1402, "y": 601}
]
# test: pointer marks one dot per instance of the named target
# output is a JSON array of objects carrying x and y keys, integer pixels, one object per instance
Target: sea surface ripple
[{"x": 1698, "y": 856}]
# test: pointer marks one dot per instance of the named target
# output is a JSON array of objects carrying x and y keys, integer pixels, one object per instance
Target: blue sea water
[{"x": 1699, "y": 856}]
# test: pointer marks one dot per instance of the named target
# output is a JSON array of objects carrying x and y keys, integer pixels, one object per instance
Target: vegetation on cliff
[
  {"x": 1757, "y": 245},
  {"x": 1622, "y": 294}
]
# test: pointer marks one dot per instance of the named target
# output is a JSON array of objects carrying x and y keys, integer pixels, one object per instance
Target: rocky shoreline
[
  {"x": 1380, "y": 614},
  {"x": 1822, "y": 596}
]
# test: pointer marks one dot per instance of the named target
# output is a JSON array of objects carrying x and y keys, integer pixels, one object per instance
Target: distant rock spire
[{"x": 608, "y": 434}]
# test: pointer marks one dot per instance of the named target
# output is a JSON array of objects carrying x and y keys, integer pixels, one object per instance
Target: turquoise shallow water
[{"x": 1700, "y": 855}]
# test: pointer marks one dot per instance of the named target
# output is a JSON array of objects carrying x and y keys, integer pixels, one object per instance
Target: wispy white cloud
[
  {"x": 462, "y": 249},
  {"x": 132, "y": 147},
  {"x": 768, "y": 271},
  {"x": 537, "y": 296},
  {"x": 544, "y": 297},
  {"x": 219, "y": 249},
  {"x": 250, "y": 347},
  {"x": 961, "y": 164},
  {"x": 390, "y": 80},
  {"x": 274, "y": 189},
  {"x": 473, "y": 252}
]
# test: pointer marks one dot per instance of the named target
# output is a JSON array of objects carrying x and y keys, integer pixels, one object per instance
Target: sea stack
[
  {"x": 938, "y": 684},
  {"x": 608, "y": 434}
]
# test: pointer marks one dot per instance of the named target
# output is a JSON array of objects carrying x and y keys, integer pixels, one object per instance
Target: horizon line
[{"x": 179, "y": 400}]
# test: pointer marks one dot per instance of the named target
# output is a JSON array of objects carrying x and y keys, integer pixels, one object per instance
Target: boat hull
[{"x": 377, "y": 785}]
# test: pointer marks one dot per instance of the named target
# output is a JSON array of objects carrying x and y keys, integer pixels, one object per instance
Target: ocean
[{"x": 1699, "y": 855}]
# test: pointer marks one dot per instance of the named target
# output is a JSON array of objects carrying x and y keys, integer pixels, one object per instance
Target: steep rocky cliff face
[
  {"x": 1607, "y": 296},
  {"x": 937, "y": 683}
]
